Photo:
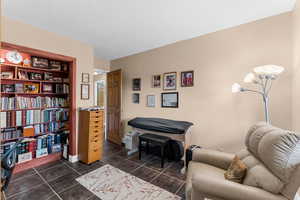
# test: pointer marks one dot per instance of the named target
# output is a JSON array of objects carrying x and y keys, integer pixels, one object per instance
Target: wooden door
[{"x": 114, "y": 81}]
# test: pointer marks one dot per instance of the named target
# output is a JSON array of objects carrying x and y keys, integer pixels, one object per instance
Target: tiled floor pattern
[{"x": 56, "y": 181}]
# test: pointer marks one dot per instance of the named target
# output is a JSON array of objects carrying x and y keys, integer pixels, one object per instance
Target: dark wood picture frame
[
  {"x": 169, "y": 106},
  {"x": 155, "y": 84},
  {"x": 136, "y": 98},
  {"x": 81, "y": 91},
  {"x": 85, "y": 76},
  {"x": 164, "y": 80},
  {"x": 136, "y": 84},
  {"x": 190, "y": 83}
]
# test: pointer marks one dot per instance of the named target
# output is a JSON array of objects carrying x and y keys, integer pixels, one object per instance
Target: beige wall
[
  {"x": 296, "y": 68},
  {"x": 219, "y": 59},
  {"x": 103, "y": 64},
  {"x": 26, "y": 35}
]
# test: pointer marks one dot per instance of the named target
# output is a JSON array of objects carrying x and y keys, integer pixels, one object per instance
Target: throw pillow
[{"x": 236, "y": 171}]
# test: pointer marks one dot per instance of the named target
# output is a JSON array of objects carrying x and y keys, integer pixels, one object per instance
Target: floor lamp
[{"x": 263, "y": 77}]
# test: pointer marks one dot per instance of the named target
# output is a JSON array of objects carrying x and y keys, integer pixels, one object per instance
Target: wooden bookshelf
[{"x": 69, "y": 74}]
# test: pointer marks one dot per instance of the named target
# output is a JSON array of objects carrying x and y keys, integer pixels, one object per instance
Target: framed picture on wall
[
  {"x": 156, "y": 81},
  {"x": 187, "y": 79},
  {"x": 85, "y": 91},
  {"x": 169, "y": 100},
  {"x": 85, "y": 78},
  {"x": 136, "y": 84},
  {"x": 170, "y": 81},
  {"x": 151, "y": 101},
  {"x": 136, "y": 98}
]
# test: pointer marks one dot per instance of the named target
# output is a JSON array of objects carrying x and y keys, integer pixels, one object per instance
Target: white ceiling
[{"x": 117, "y": 28}]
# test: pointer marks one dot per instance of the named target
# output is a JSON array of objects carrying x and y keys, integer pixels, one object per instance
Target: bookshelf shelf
[
  {"x": 33, "y": 69},
  {"x": 34, "y": 81},
  {"x": 43, "y": 108},
  {"x": 17, "y": 78},
  {"x": 36, "y": 162}
]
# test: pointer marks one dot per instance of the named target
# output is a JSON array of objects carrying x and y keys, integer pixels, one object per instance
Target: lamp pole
[
  {"x": 263, "y": 77},
  {"x": 266, "y": 83}
]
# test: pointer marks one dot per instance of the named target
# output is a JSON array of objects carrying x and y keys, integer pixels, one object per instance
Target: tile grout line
[
  {"x": 77, "y": 172},
  {"x": 179, "y": 188},
  {"x": 47, "y": 184}
]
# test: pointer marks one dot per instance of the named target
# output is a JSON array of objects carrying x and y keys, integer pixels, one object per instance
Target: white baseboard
[{"x": 73, "y": 159}]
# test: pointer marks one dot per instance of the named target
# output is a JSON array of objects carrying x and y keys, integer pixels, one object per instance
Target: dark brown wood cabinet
[{"x": 91, "y": 136}]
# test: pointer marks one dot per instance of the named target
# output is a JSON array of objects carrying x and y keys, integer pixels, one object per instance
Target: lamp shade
[
  {"x": 235, "y": 88},
  {"x": 249, "y": 78},
  {"x": 268, "y": 70}
]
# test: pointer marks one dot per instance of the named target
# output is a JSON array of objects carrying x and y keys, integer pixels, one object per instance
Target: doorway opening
[{"x": 100, "y": 93}]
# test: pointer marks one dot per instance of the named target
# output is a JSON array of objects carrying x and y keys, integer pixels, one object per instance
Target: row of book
[
  {"x": 38, "y": 129},
  {"x": 37, "y": 147},
  {"x": 30, "y": 117},
  {"x": 10, "y": 133},
  {"x": 62, "y": 88},
  {"x": 27, "y": 88},
  {"x": 9, "y": 103}
]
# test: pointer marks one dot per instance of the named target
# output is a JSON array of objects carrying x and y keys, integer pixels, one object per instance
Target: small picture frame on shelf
[
  {"x": 136, "y": 84},
  {"x": 85, "y": 78},
  {"x": 19, "y": 88},
  {"x": 187, "y": 79},
  {"x": 170, "y": 81},
  {"x": 31, "y": 88},
  {"x": 169, "y": 100},
  {"x": 55, "y": 65},
  {"x": 47, "y": 88},
  {"x": 85, "y": 91},
  {"x": 35, "y": 76},
  {"x": 48, "y": 76},
  {"x": 40, "y": 62},
  {"x": 156, "y": 81},
  {"x": 7, "y": 88},
  {"x": 151, "y": 101},
  {"x": 7, "y": 75},
  {"x": 136, "y": 98}
]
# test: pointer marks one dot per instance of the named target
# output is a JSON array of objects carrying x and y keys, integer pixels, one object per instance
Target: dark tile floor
[{"x": 56, "y": 181}]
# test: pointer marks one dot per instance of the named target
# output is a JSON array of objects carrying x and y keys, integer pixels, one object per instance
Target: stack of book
[
  {"x": 7, "y": 103},
  {"x": 10, "y": 133},
  {"x": 7, "y": 119},
  {"x": 62, "y": 88}
]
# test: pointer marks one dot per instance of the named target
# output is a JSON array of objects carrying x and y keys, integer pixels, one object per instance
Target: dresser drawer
[
  {"x": 94, "y": 155},
  {"x": 96, "y": 114},
  {"x": 95, "y": 144},
  {"x": 96, "y": 138},
  {"x": 95, "y": 131}
]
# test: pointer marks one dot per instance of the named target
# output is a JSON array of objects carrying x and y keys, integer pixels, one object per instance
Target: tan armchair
[{"x": 273, "y": 161}]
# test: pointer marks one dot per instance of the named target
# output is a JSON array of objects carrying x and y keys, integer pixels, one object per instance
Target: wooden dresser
[{"x": 91, "y": 135}]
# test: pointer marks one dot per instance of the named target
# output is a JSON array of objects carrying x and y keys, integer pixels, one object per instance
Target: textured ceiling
[{"x": 117, "y": 28}]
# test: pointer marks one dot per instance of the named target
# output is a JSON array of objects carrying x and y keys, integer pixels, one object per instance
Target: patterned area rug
[{"x": 110, "y": 183}]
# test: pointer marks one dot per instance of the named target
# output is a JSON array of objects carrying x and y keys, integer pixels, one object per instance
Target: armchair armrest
[
  {"x": 228, "y": 190},
  {"x": 212, "y": 157}
]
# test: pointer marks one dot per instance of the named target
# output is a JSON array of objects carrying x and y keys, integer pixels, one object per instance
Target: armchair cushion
[
  {"x": 198, "y": 167},
  {"x": 261, "y": 177},
  {"x": 278, "y": 149},
  {"x": 220, "y": 188},
  {"x": 211, "y": 157}
]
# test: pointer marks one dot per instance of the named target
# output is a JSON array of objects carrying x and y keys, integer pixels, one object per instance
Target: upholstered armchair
[{"x": 272, "y": 158}]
